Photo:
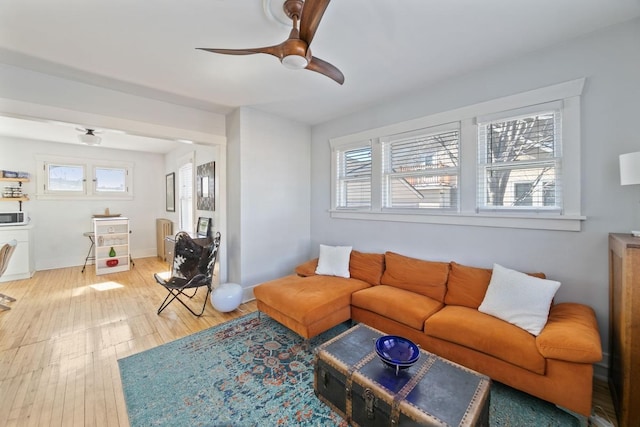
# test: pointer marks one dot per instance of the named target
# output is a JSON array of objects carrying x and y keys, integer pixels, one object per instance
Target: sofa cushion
[
  {"x": 468, "y": 327},
  {"x": 308, "y": 299},
  {"x": 519, "y": 299},
  {"x": 571, "y": 334},
  {"x": 467, "y": 285},
  {"x": 397, "y": 304},
  {"x": 367, "y": 266},
  {"x": 334, "y": 261},
  {"x": 362, "y": 266},
  {"x": 426, "y": 278}
]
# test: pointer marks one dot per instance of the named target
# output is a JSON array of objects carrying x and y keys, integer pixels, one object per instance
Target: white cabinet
[
  {"x": 112, "y": 244},
  {"x": 21, "y": 265}
]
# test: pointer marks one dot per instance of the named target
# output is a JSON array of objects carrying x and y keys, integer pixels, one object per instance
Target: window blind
[
  {"x": 421, "y": 170},
  {"x": 520, "y": 163},
  {"x": 354, "y": 177}
]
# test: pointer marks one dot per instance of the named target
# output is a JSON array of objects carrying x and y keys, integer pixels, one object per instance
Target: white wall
[
  {"x": 58, "y": 225},
  {"x": 27, "y": 93},
  {"x": 203, "y": 154},
  {"x": 268, "y": 195},
  {"x": 610, "y": 61}
]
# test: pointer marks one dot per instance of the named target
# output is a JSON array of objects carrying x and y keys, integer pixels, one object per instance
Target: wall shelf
[{"x": 15, "y": 199}]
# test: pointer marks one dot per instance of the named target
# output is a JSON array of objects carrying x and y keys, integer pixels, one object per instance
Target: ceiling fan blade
[
  {"x": 323, "y": 67},
  {"x": 312, "y": 12},
  {"x": 271, "y": 50}
]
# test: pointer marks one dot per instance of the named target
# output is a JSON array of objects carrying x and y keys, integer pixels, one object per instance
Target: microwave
[{"x": 13, "y": 218}]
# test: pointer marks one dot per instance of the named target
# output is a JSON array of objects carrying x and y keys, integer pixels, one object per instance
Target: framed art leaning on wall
[{"x": 204, "y": 227}]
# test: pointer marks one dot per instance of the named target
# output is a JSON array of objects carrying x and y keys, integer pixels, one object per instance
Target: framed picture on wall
[
  {"x": 171, "y": 192},
  {"x": 206, "y": 184}
]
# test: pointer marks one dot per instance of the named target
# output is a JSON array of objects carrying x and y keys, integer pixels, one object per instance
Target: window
[
  {"x": 65, "y": 178},
  {"x": 420, "y": 170},
  {"x": 353, "y": 180},
  {"x": 185, "y": 196},
  {"x": 110, "y": 180},
  {"x": 508, "y": 162},
  {"x": 520, "y": 162}
]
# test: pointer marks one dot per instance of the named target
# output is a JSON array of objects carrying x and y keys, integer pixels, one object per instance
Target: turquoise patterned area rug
[{"x": 251, "y": 372}]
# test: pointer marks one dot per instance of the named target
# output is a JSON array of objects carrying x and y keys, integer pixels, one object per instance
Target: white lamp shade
[{"x": 630, "y": 168}]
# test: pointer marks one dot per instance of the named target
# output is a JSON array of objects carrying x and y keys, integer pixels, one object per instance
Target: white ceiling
[{"x": 383, "y": 47}]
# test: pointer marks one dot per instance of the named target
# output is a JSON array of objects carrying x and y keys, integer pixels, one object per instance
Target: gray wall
[
  {"x": 610, "y": 61},
  {"x": 268, "y": 196}
]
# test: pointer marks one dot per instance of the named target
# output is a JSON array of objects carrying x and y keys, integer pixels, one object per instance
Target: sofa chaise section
[{"x": 308, "y": 305}]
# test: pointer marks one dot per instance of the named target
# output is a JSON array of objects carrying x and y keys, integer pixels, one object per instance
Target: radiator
[{"x": 164, "y": 228}]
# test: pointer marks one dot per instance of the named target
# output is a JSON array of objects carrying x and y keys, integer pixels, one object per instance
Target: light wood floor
[{"x": 60, "y": 342}]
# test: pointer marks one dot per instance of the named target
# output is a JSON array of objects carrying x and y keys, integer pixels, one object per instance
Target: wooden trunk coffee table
[{"x": 350, "y": 378}]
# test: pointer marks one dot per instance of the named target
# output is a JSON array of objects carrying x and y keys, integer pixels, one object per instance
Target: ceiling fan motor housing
[{"x": 293, "y": 8}]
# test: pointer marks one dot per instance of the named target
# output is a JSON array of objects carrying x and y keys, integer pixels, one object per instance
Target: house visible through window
[
  {"x": 420, "y": 170},
  {"x": 519, "y": 162},
  {"x": 509, "y": 162}
]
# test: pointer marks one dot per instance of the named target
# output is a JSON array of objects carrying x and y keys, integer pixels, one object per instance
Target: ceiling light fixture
[
  {"x": 295, "y": 62},
  {"x": 89, "y": 138}
]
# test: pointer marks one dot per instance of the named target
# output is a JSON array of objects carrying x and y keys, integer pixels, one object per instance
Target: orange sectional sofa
[{"x": 435, "y": 304}]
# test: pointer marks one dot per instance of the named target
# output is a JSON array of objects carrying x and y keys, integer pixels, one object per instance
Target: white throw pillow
[
  {"x": 519, "y": 299},
  {"x": 334, "y": 261}
]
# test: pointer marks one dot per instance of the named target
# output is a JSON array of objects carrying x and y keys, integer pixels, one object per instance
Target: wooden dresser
[{"x": 624, "y": 327}]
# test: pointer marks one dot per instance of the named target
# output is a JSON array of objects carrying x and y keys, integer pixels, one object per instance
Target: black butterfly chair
[
  {"x": 5, "y": 255},
  {"x": 192, "y": 268}
]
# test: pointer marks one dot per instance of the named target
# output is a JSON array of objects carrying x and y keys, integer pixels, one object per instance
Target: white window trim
[
  {"x": 89, "y": 192},
  {"x": 570, "y": 219},
  {"x": 335, "y": 172}
]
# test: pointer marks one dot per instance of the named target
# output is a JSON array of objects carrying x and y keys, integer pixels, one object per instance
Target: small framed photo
[
  {"x": 171, "y": 192},
  {"x": 204, "y": 226}
]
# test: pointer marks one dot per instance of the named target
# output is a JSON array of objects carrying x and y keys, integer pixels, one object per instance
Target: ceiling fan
[{"x": 294, "y": 52}]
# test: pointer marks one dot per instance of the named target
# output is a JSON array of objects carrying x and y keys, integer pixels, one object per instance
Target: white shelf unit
[{"x": 111, "y": 233}]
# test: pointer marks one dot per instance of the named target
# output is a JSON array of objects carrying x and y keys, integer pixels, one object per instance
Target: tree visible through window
[
  {"x": 512, "y": 161},
  {"x": 520, "y": 161}
]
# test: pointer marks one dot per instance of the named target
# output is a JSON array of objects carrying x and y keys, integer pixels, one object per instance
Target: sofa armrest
[{"x": 571, "y": 334}]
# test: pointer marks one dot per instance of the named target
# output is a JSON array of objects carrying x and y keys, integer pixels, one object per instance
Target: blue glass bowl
[{"x": 397, "y": 352}]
